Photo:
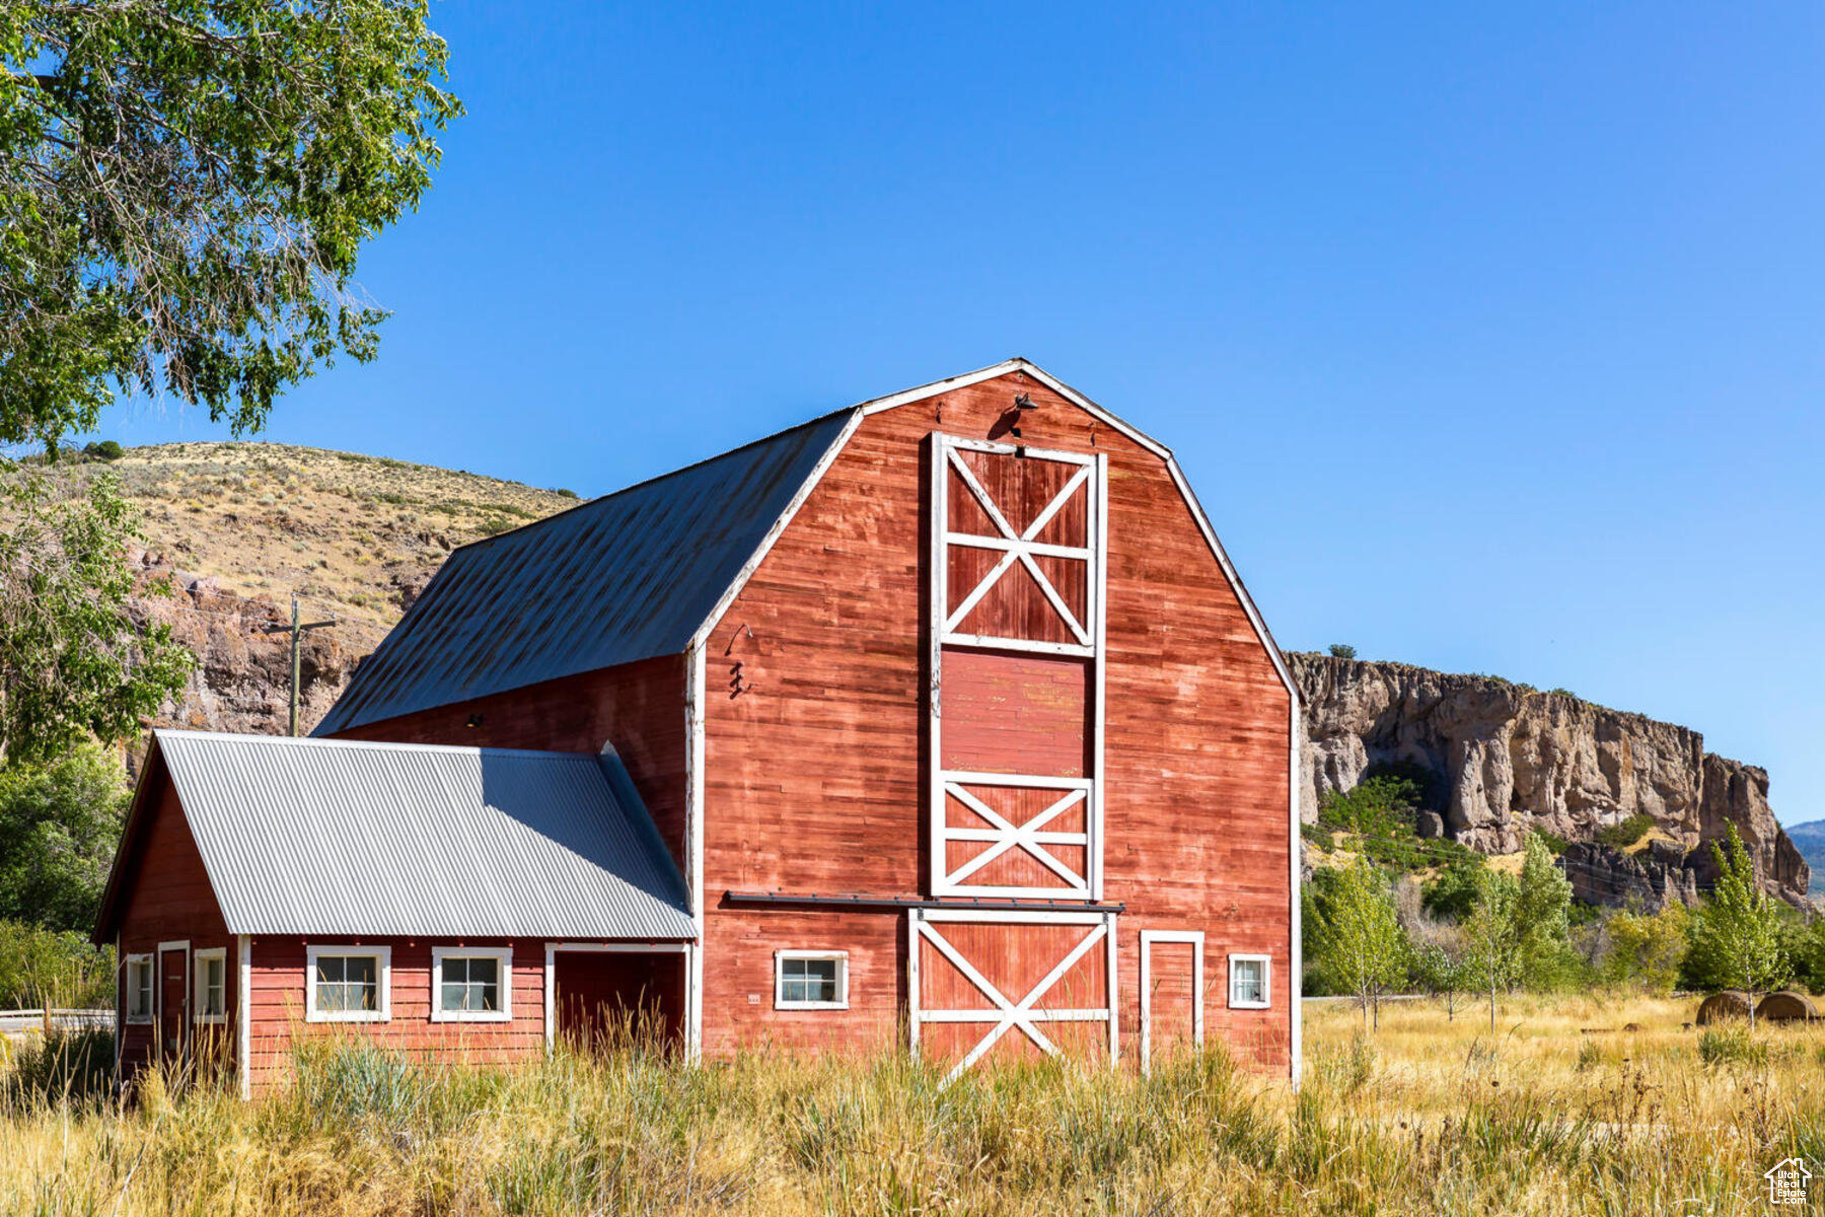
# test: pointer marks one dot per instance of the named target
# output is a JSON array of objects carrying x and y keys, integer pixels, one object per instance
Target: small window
[
  {"x": 348, "y": 984},
  {"x": 212, "y": 986},
  {"x": 811, "y": 980},
  {"x": 139, "y": 988},
  {"x": 1248, "y": 981},
  {"x": 471, "y": 984}
]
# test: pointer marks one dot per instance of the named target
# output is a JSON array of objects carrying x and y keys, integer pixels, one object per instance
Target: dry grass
[
  {"x": 1428, "y": 1116},
  {"x": 347, "y": 531}
]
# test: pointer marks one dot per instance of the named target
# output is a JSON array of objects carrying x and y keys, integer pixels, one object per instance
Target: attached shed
[
  {"x": 957, "y": 725},
  {"x": 266, "y": 885}
]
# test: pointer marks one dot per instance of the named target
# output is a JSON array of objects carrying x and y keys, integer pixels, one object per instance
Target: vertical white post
[
  {"x": 694, "y": 829},
  {"x": 1099, "y": 632},
  {"x": 551, "y": 996},
  {"x": 938, "y": 566},
  {"x": 243, "y": 1014},
  {"x": 1295, "y": 981},
  {"x": 1146, "y": 1003},
  {"x": 914, "y": 920},
  {"x": 1115, "y": 990}
]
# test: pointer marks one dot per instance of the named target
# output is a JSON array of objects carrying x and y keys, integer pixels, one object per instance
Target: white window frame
[
  {"x": 199, "y": 971},
  {"x": 1267, "y": 982},
  {"x": 842, "y": 980},
  {"x": 148, "y": 1015},
  {"x": 383, "y": 996},
  {"x": 503, "y": 957}
]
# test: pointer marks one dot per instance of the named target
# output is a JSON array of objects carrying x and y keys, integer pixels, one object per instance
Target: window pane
[
  {"x": 456, "y": 970},
  {"x": 360, "y": 969},
  {"x": 329, "y": 969},
  {"x": 792, "y": 969},
  {"x": 453, "y": 995},
  {"x": 1248, "y": 985}
]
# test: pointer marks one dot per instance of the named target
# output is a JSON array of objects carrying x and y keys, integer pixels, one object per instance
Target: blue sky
[{"x": 1490, "y": 338}]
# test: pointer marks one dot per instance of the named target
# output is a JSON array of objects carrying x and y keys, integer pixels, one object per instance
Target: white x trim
[
  {"x": 1030, "y": 838},
  {"x": 1018, "y": 547},
  {"x": 1007, "y": 1014}
]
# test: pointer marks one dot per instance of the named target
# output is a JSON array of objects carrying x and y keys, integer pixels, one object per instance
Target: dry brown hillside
[{"x": 241, "y": 526}]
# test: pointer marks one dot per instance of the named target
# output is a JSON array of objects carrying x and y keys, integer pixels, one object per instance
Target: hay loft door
[{"x": 1017, "y": 555}]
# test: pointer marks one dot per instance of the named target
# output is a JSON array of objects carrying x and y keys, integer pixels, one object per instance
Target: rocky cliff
[{"x": 1512, "y": 759}]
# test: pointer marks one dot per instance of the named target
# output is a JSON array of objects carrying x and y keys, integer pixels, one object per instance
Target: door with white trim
[
  {"x": 1172, "y": 994},
  {"x": 1011, "y": 985}
]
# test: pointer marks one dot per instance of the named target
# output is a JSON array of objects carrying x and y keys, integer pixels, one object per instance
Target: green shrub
[
  {"x": 62, "y": 1068},
  {"x": 1731, "y": 1045},
  {"x": 568, "y": 494},
  {"x": 1342, "y": 650},
  {"x": 1627, "y": 833},
  {"x": 40, "y": 967},
  {"x": 106, "y": 450}
]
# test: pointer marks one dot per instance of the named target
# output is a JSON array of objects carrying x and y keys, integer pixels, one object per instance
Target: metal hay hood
[{"x": 342, "y": 837}]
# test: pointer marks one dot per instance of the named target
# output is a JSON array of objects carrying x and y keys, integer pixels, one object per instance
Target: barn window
[
  {"x": 1248, "y": 981},
  {"x": 139, "y": 988},
  {"x": 471, "y": 984},
  {"x": 811, "y": 980},
  {"x": 348, "y": 984},
  {"x": 212, "y": 986}
]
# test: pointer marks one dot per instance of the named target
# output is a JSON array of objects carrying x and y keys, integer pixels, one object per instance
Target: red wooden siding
[
  {"x": 638, "y": 707},
  {"x": 1015, "y": 713},
  {"x": 815, "y": 767},
  {"x": 277, "y": 1006},
  {"x": 1017, "y": 960},
  {"x": 168, "y": 900}
]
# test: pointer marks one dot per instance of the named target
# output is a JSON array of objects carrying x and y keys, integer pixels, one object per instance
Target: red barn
[{"x": 940, "y": 720}]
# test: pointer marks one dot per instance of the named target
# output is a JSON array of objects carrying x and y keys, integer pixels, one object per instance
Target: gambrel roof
[
  {"x": 347, "y": 837},
  {"x": 642, "y": 572}
]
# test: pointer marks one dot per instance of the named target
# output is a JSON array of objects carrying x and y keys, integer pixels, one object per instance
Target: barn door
[
  {"x": 1172, "y": 993},
  {"x": 1017, "y": 572},
  {"x": 1015, "y": 984}
]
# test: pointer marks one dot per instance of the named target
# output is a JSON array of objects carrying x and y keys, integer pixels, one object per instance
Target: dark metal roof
[
  {"x": 627, "y": 577},
  {"x": 347, "y": 837}
]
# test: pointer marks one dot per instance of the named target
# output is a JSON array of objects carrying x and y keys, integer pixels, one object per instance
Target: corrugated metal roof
[
  {"x": 627, "y": 577},
  {"x": 341, "y": 837}
]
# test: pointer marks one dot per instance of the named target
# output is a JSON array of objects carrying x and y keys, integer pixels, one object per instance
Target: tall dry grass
[{"x": 1427, "y": 1116}]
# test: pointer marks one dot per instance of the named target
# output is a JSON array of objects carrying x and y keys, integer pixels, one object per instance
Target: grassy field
[{"x": 1428, "y": 1115}]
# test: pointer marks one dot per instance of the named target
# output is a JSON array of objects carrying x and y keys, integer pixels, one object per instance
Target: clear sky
[{"x": 1490, "y": 338}]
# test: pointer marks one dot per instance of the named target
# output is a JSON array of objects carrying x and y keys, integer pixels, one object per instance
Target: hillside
[
  {"x": 1810, "y": 839},
  {"x": 1508, "y": 759},
  {"x": 239, "y": 527}
]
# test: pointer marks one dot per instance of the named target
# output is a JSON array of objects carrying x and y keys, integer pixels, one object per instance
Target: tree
[
  {"x": 184, "y": 188},
  {"x": 59, "y": 824},
  {"x": 1342, "y": 650},
  {"x": 1645, "y": 949},
  {"x": 73, "y": 664},
  {"x": 1364, "y": 950},
  {"x": 1737, "y": 935},
  {"x": 1542, "y": 910},
  {"x": 1492, "y": 941}
]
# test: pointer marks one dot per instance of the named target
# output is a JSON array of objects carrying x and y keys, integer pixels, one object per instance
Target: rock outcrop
[{"x": 1513, "y": 759}]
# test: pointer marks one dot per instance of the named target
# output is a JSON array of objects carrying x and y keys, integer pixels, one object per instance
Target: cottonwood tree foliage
[
  {"x": 1493, "y": 937},
  {"x": 1363, "y": 948},
  {"x": 1737, "y": 936},
  {"x": 74, "y": 665},
  {"x": 184, "y": 188},
  {"x": 59, "y": 823}
]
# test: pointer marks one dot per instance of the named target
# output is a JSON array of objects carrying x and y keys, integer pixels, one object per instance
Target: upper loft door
[{"x": 1017, "y": 549}]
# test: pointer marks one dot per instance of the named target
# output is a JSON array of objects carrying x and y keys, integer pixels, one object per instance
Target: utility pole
[{"x": 297, "y": 630}]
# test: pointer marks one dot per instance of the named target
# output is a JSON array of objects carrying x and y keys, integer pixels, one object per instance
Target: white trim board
[{"x": 198, "y": 1017}]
